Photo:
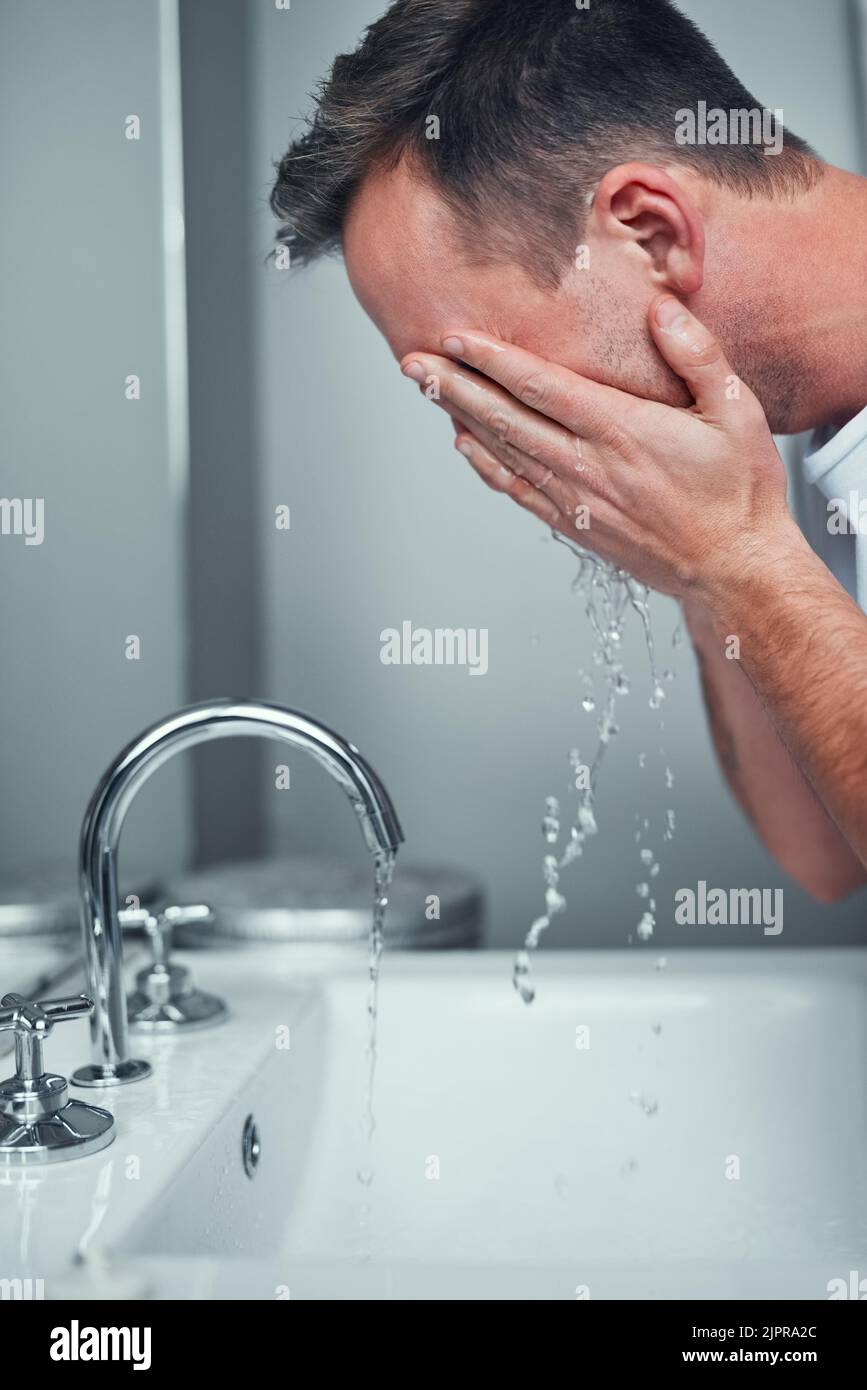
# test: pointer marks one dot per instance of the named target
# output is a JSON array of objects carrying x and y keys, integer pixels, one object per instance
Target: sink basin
[{"x": 689, "y": 1129}]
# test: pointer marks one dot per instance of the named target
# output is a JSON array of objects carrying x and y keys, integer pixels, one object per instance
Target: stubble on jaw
[{"x": 776, "y": 375}]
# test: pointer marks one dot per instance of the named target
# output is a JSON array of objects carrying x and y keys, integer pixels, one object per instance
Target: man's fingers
[
  {"x": 458, "y": 390},
  {"x": 693, "y": 352},
  {"x": 502, "y": 479},
  {"x": 583, "y": 406},
  {"x": 539, "y": 474},
  {"x": 542, "y": 478}
]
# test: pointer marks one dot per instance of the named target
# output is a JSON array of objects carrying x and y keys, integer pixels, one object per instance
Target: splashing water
[{"x": 609, "y": 594}]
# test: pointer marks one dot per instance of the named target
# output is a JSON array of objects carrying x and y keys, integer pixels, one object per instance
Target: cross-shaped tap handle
[
  {"x": 32, "y": 1022},
  {"x": 161, "y": 927}
]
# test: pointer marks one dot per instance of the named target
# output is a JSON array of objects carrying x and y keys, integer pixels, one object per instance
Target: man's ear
[{"x": 643, "y": 205}]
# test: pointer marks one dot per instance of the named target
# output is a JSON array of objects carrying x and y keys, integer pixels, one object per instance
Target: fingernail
[
  {"x": 465, "y": 447},
  {"x": 671, "y": 315},
  {"x": 414, "y": 370},
  {"x": 453, "y": 346}
]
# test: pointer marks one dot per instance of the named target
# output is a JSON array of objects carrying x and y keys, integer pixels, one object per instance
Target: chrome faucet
[{"x": 103, "y": 822}]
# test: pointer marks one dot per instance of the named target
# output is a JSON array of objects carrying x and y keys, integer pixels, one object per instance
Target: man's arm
[
  {"x": 763, "y": 776},
  {"x": 796, "y": 698}
]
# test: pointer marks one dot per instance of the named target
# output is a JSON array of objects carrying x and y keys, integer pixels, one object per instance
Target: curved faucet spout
[{"x": 103, "y": 822}]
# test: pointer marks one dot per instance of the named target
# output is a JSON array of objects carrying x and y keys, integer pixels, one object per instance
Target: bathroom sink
[{"x": 695, "y": 1128}]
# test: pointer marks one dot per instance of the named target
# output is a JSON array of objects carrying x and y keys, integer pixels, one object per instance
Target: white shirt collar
[{"x": 830, "y": 447}]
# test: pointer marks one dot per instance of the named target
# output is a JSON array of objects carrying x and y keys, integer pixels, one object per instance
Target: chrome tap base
[
  {"x": 39, "y": 1124},
  {"x": 181, "y": 1012},
  {"x": 165, "y": 1000},
  {"x": 121, "y": 1074}
]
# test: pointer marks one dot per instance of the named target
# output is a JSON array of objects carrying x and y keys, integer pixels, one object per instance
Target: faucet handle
[
  {"x": 38, "y": 1121},
  {"x": 165, "y": 998},
  {"x": 172, "y": 917},
  {"x": 160, "y": 927},
  {"x": 26, "y": 1014},
  {"x": 32, "y": 1022}
]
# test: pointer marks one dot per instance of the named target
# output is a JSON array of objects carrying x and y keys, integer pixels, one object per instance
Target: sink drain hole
[{"x": 251, "y": 1149}]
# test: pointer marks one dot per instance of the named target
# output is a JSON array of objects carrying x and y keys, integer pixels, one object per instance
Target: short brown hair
[{"x": 535, "y": 99}]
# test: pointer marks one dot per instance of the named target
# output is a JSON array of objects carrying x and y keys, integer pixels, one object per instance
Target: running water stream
[
  {"x": 383, "y": 873},
  {"x": 609, "y": 595}
]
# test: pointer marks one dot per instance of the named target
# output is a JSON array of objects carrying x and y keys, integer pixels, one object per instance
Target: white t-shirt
[{"x": 828, "y": 495}]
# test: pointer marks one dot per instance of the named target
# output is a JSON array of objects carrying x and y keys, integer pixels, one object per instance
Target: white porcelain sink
[{"x": 510, "y": 1159}]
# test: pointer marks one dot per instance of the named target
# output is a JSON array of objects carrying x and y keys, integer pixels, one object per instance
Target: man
[{"x": 617, "y": 299}]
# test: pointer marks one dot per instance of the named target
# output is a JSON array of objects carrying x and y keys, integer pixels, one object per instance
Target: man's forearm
[
  {"x": 802, "y": 643},
  {"x": 763, "y": 776}
]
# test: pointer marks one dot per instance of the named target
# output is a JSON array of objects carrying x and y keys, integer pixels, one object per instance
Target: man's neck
[{"x": 805, "y": 272}]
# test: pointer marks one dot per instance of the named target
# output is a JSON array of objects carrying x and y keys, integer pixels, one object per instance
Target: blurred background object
[{"x": 317, "y": 900}]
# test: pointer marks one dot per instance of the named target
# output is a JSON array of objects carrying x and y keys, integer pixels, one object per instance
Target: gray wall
[
  {"x": 91, "y": 271},
  {"x": 223, "y": 573},
  {"x": 388, "y": 524}
]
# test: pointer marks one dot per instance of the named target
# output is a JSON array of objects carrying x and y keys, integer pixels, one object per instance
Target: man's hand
[{"x": 678, "y": 497}]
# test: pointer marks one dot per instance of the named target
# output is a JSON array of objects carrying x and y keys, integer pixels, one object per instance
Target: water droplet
[
  {"x": 646, "y": 926},
  {"x": 520, "y": 976},
  {"x": 648, "y": 1104},
  {"x": 647, "y": 856},
  {"x": 573, "y": 849},
  {"x": 551, "y": 820},
  {"x": 554, "y": 901},
  {"x": 642, "y": 889}
]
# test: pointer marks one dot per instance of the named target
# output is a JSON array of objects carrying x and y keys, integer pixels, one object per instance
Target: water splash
[{"x": 609, "y": 595}]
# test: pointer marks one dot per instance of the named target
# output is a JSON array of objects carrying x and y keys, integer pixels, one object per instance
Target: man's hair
[{"x": 535, "y": 100}]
